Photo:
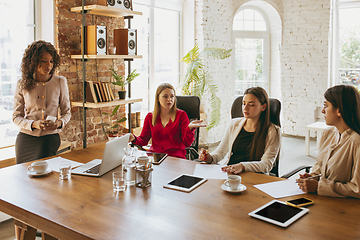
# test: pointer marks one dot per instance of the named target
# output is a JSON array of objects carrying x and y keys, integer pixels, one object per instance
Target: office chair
[
  {"x": 191, "y": 105},
  {"x": 275, "y": 108}
]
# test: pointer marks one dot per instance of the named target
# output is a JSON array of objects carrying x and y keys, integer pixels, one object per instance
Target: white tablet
[
  {"x": 185, "y": 183},
  {"x": 278, "y": 213}
]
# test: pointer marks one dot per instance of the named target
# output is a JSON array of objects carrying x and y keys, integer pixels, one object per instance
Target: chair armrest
[{"x": 289, "y": 174}]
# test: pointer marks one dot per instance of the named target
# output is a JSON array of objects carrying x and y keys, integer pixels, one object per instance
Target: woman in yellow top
[{"x": 338, "y": 160}]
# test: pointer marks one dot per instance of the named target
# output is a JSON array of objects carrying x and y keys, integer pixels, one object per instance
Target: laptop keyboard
[{"x": 94, "y": 169}]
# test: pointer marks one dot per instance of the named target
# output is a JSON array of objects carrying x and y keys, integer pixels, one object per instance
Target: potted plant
[
  {"x": 198, "y": 80},
  {"x": 121, "y": 83},
  {"x": 115, "y": 129}
]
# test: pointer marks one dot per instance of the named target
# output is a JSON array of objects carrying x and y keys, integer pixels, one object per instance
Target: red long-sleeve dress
[{"x": 171, "y": 139}]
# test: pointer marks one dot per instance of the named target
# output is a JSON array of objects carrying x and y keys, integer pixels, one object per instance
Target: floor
[{"x": 292, "y": 156}]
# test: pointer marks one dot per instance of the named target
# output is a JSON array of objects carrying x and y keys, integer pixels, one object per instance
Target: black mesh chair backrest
[
  {"x": 191, "y": 105},
  {"x": 275, "y": 108}
]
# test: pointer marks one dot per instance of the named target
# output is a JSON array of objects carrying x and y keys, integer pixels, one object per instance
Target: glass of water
[
  {"x": 65, "y": 170},
  {"x": 118, "y": 181}
]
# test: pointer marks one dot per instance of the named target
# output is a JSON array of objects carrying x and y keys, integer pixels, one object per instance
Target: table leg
[
  {"x": 307, "y": 142},
  {"x": 47, "y": 237},
  {"x": 23, "y": 231}
]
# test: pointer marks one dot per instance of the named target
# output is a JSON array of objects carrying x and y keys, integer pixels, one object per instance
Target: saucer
[
  {"x": 241, "y": 188},
  {"x": 34, "y": 174}
]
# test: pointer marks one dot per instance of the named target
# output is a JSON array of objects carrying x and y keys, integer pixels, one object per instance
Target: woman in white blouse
[
  {"x": 338, "y": 160},
  {"x": 251, "y": 143},
  {"x": 41, "y": 103}
]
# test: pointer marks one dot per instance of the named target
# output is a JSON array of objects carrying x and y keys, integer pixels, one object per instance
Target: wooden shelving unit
[
  {"x": 106, "y": 11},
  {"x": 106, "y": 104},
  {"x": 105, "y": 56}
]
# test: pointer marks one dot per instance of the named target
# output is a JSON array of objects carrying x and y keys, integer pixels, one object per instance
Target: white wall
[
  {"x": 303, "y": 57},
  {"x": 304, "y": 60},
  {"x": 45, "y": 20},
  {"x": 213, "y": 19}
]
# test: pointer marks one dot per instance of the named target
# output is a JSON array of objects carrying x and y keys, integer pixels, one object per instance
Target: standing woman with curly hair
[{"x": 41, "y": 103}]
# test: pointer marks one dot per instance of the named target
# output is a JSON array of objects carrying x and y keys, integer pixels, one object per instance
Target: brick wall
[
  {"x": 68, "y": 41},
  {"x": 300, "y": 74},
  {"x": 214, "y": 29},
  {"x": 304, "y": 61}
]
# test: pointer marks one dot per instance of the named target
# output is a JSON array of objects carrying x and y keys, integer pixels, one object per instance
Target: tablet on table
[
  {"x": 156, "y": 158},
  {"x": 185, "y": 183},
  {"x": 279, "y": 213}
]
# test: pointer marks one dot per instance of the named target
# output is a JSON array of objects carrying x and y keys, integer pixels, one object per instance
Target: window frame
[
  {"x": 335, "y": 53},
  {"x": 256, "y": 35},
  {"x": 7, "y": 149},
  {"x": 171, "y": 5}
]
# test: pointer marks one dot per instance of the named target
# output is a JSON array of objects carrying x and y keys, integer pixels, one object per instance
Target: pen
[{"x": 319, "y": 175}]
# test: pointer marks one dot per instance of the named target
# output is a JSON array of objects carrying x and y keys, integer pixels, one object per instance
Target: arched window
[{"x": 251, "y": 58}]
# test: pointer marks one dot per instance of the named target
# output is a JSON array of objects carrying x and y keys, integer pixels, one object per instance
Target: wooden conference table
[{"x": 87, "y": 208}]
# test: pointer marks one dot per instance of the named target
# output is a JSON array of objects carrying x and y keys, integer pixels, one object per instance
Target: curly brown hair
[{"x": 31, "y": 61}]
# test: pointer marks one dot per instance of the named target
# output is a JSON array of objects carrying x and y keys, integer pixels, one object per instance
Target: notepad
[{"x": 280, "y": 189}]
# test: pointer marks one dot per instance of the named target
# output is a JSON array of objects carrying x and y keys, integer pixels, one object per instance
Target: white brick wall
[
  {"x": 304, "y": 61},
  {"x": 215, "y": 30},
  {"x": 302, "y": 76}
]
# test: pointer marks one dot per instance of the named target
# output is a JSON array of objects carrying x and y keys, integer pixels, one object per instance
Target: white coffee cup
[
  {"x": 38, "y": 167},
  {"x": 143, "y": 160},
  {"x": 233, "y": 181}
]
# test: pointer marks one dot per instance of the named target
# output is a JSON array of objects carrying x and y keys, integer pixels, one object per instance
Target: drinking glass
[
  {"x": 118, "y": 181},
  {"x": 65, "y": 170}
]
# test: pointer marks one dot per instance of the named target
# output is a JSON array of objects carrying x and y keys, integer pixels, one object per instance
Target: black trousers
[{"x": 29, "y": 148}]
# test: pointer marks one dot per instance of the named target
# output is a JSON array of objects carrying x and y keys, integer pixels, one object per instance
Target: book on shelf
[
  {"x": 90, "y": 93},
  {"x": 96, "y": 84},
  {"x": 107, "y": 91},
  {"x": 102, "y": 92},
  {"x": 111, "y": 92},
  {"x": 98, "y": 92}
]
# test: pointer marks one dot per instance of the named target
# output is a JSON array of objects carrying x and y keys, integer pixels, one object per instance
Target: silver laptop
[{"x": 112, "y": 158}]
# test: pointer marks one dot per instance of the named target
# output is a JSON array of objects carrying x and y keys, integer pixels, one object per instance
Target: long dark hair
[
  {"x": 31, "y": 61},
  {"x": 347, "y": 99},
  {"x": 259, "y": 142}
]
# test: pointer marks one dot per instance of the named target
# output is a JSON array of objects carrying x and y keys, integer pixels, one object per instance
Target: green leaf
[
  {"x": 198, "y": 81},
  {"x": 121, "y": 120},
  {"x": 115, "y": 110}
]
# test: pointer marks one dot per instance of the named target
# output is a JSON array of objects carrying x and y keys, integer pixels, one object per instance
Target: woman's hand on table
[
  {"x": 307, "y": 185},
  {"x": 234, "y": 169},
  {"x": 196, "y": 124}
]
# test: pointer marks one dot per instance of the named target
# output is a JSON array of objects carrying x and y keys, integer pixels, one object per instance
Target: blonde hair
[{"x": 157, "y": 107}]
